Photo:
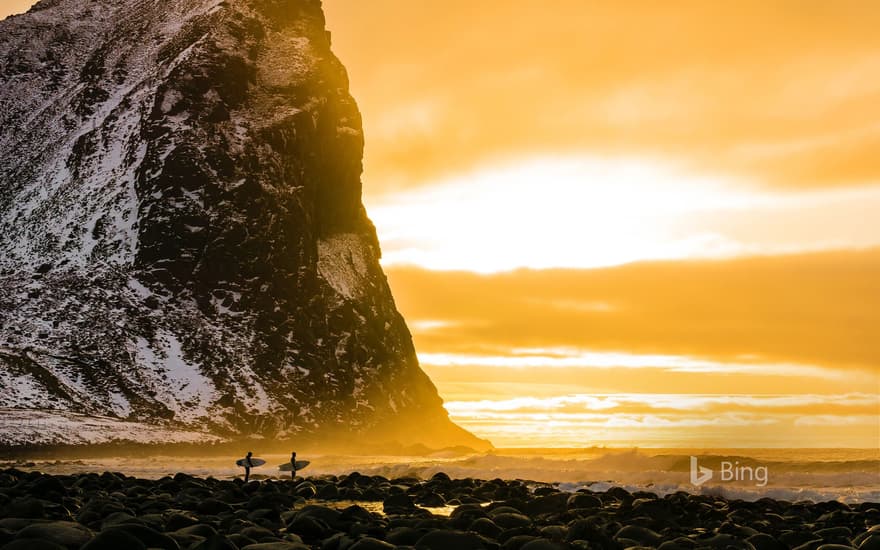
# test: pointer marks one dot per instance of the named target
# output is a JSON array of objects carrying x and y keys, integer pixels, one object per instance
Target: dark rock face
[{"x": 182, "y": 238}]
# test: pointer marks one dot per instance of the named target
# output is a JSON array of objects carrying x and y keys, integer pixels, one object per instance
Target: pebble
[{"x": 114, "y": 511}]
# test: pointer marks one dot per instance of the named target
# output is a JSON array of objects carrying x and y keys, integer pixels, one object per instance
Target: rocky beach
[{"x": 92, "y": 511}]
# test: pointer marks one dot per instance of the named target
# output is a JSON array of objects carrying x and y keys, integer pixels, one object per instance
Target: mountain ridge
[{"x": 183, "y": 237}]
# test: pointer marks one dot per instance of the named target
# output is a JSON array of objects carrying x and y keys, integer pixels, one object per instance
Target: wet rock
[
  {"x": 493, "y": 510},
  {"x": 486, "y": 527},
  {"x": 256, "y": 533},
  {"x": 870, "y": 542},
  {"x": 32, "y": 544},
  {"x": 810, "y": 545},
  {"x": 517, "y": 542},
  {"x": 445, "y": 540},
  {"x": 678, "y": 543},
  {"x": 199, "y": 530},
  {"x": 116, "y": 518},
  {"x": 431, "y": 500},
  {"x": 464, "y": 515},
  {"x": 216, "y": 542},
  {"x": 654, "y": 508},
  {"x": 241, "y": 541},
  {"x": 583, "y": 500},
  {"x": 554, "y": 503},
  {"x": 356, "y": 514},
  {"x": 306, "y": 490},
  {"x": 26, "y": 507},
  {"x": 336, "y": 542},
  {"x": 213, "y": 506},
  {"x": 150, "y": 537},
  {"x": 276, "y": 546},
  {"x": 739, "y": 531},
  {"x": 309, "y": 527},
  {"x": 114, "y": 540},
  {"x": 323, "y": 513},
  {"x": 369, "y": 543},
  {"x": 618, "y": 493},
  {"x": 48, "y": 487},
  {"x": 510, "y": 520},
  {"x": 763, "y": 541},
  {"x": 838, "y": 535},
  {"x": 16, "y": 524},
  {"x": 404, "y": 536},
  {"x": 543, "y": 544},
  {"x": 328, "y": 491},
  {"x": 62, "y": 533},
  {"x": 265, "y": 516},
  {"x": 586, "y": 530},
  {"x": 398, "y": 504},
  {"x": 725, "y": 542},
  {"x": 642, "y": 535},
  {"x": 793, "y": 539},
  {"x": 554, "y": 532}
]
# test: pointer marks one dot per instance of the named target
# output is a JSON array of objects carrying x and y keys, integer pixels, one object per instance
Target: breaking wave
[{"x": 848, "y": 475}]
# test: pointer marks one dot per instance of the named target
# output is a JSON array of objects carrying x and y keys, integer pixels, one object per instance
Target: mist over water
[{"x": 847, "y": 475}]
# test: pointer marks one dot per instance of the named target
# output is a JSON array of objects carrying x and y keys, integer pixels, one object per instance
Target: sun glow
[{"x": 585, "y": 212}]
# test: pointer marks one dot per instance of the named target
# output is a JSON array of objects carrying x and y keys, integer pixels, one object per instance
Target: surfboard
[
  {"x": 300, "y": 464},
  {"x": 254, "y": 462}
]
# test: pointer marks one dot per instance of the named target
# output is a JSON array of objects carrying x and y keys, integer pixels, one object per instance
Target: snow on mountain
[{"x": 182, "y": 239}]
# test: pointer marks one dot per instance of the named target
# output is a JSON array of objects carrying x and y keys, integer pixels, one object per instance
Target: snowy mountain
[{"x": 182, "y": 239}]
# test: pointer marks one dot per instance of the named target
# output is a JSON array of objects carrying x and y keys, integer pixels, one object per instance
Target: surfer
[
  {"x": 247, "y": 466},
  {"x": 293, "y": 465}
]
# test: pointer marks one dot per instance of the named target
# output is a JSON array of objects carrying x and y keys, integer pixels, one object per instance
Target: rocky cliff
[{"x": 183, "y": 246}]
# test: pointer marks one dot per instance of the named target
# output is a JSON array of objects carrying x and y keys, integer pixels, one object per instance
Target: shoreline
[{"x": 793, "y": 475}]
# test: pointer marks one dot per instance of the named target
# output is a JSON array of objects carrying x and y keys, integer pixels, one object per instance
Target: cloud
[
  {"x": 698, "y": 420},
  {"x": 587, "y": 359},
  {"x": 809, "y": 309},
  {"x": 670, "y": 403},
  {"x": 780, "y": 93},
  {"x": 838, "y": 420}
]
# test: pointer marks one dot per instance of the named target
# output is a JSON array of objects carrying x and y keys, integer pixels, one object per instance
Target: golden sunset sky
[{"x": 629, "y": 223}]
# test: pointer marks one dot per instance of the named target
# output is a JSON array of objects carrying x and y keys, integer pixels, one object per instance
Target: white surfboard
[{"x": 300, "y": 464}]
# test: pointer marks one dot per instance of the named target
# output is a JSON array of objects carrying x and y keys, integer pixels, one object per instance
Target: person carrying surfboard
[
  {"x": 247, "y": 466},
  {"x": 293, "y": 465},
  {"x": 249, "y": 462}
]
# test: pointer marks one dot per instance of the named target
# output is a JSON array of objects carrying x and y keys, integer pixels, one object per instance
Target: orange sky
[
  {"x": 8, "y": 7},
  {"x": 778, "y": 92},
  {"x": 630, "y": 223}
]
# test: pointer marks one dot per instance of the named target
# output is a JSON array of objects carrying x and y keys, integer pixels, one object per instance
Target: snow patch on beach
[{"x": 53, "y": 427}]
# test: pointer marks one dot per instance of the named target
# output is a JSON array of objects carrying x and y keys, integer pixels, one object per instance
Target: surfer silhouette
[
  {"x": 247, "y": 466},
  {"x": 293, "y": 465}
]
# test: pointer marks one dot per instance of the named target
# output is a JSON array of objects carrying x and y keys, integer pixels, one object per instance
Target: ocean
[{"x": 845, "y": 475}]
